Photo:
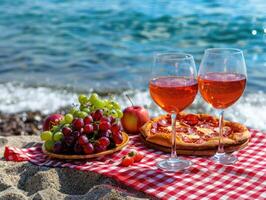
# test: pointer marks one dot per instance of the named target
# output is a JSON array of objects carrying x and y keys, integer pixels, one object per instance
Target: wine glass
[
  {"x": 173, "y": 87},
  {"x": 222, "y": 80}
]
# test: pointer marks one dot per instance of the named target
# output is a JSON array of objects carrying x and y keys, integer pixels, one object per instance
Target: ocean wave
[{"x": 14, "y": 98}]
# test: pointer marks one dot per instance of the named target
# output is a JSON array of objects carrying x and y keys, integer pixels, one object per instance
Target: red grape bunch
[{"x": 92, "y": 128}]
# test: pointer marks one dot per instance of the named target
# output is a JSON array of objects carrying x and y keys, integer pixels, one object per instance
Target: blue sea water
[{"x": 61, "y": 47}]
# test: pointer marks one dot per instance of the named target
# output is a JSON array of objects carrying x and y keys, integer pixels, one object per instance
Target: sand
[{"x": 24, "y": 180}]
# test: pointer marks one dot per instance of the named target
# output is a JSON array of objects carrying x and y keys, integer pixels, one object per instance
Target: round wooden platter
[
  {"x": 209, "y": 152},
  {"x": 81, "y": 157}
]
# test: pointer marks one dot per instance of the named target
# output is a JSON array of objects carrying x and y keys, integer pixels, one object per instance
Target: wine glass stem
[
  {"x": 221, "y": 144},
  {"x": 173, "y": 149}
]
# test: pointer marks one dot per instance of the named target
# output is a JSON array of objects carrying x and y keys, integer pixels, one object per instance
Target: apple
[
  {"x": 133, "y": 118},
  {"x": 52, "y": 120}
]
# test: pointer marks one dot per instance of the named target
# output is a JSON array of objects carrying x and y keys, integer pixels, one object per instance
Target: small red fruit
[
  {"x": 78, "y": 123},
  {"x": 107, "y": 134},
  {"x": 115, "y": 128},
  {"x": 118, "y": 138},
  {"x": 83, "y": 140},
  {"x": 99, "y": 148},
  {"x": 88, "y": 120},
  {"x": 88, "y": 128},
  {"x": 106, "y": 119},
  {"x": 66, "y": 131},
  {"x": 97, "y": 115},
  {"x": 104, "y": 141},
  {"x": 126, "y": 161},
  {"x": 137, "y": 156},
  {"x": 88, "y": 148},
  {"x": 104, "y": 126}
]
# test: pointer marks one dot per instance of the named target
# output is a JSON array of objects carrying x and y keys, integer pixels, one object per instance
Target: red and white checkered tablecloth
[{"x": 204, "y": 180}]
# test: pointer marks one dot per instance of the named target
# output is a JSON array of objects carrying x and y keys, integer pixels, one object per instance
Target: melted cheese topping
[
  {"x": 205, "y": 131},
  {"x": 193, "y": 137}
]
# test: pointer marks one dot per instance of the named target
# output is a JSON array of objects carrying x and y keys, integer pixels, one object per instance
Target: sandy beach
[{"x": 23, "y": 180}]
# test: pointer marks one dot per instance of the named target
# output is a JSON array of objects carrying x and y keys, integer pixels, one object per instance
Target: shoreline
[{"x": 23, "y": 123}]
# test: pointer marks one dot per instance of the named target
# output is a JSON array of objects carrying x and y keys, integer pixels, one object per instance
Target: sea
[{"x": 52, "y": 50}]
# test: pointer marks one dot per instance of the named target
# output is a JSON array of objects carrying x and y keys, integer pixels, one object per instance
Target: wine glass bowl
[
  {"x": 222, "y": 80},
  {"x": 173, "y": 87}
]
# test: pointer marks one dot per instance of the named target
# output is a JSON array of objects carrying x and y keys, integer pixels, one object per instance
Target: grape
[
  {"x": 105, "y": 111},
  {"x": 58, "y": 147},
  {"x": 68, "y": 118},
  {"x": 94, "y": 97},
  {"x": 104, "y": 126},
  {"x": 118, "y": 138},
  {"x": 76, "y": 134},
  {"x": 108, "y": 104},
  {"x": 82, "y": 114},
  {"x": 73, "y": 111},
  {"x": 88, "y": 128},
  {"x": 99, "y": 103},
  {"x": 104, "y": 141},
  {"x": 86, "y": 110},
  {"x": 46, "y": 135},
  {"x": 88, "y": 148},
  {"x": 98, "y": 148},
  {"x": 62, "y": 122},
  {"x": 107, "y": 134},
  {"x": 116, "y": 105},
  {"x": 115, "y": 128},
  {"x": 69, "y": 140},
  {"x": 88, "y": 119},
  {"x": 83, "y": 99},
  {"x": 97, "y": 115},
  {"x": 92, "y": 108},
  {"x": 107, "y": 119},
  {"x": 58, "y": 136},
  {"x": 119, "y": 113},
  {"x": 78, "y": 148},
  {"x": 105, "y": 102},
  {"x": 66, "y": 131},
  {"x": 83, "y": 140},
  {"x": 54, "y": 128},
  {"x": 114, "y": 114},
  {"x": 49, "y": 145},
  {"x": 78, "y": 123}
]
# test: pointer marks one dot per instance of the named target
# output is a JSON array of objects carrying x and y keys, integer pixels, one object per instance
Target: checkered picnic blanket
[{"x": 203, "y": 180}]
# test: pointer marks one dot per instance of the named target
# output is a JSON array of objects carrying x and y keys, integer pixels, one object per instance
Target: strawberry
[
  {"x": 127, "y": 160},
  {"x": 137, "y": 156}
]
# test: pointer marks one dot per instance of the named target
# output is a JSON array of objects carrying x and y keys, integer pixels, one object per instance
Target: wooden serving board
[
  {"x": 208, "y": 152},
  {"x": 81, "y": 157}
]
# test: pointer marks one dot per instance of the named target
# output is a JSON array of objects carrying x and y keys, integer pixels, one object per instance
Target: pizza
[{"x": 194, "y": 132}]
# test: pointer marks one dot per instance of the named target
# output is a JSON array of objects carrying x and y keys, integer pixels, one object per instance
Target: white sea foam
[
  {"x": 18, "y": 98},
  {"x": 250, "y": 109}
]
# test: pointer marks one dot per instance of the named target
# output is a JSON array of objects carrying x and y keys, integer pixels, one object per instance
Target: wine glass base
[
  {"x": 225, "y": 159},
  {"x": 173, "y": 164}
]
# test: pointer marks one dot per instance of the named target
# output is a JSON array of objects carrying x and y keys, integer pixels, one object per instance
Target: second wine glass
[
  {"x": 173, "y": 87},
  {"x": 222, "y": 80}
]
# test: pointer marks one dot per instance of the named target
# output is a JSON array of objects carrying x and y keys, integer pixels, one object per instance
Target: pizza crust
[
  {"x": 193, "y": 152},
  {"x": 239, "y": 136}
]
